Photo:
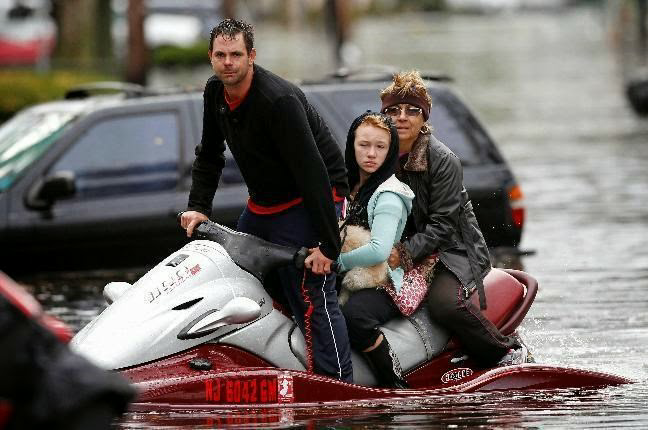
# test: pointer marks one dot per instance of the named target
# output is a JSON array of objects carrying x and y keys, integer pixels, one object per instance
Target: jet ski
[{"x": 199, "y": 330}]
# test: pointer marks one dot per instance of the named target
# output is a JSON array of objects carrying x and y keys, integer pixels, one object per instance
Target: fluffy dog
[{"x": 360, "y": 277}]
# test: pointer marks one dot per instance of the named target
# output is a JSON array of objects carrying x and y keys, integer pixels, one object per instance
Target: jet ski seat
[{"x": 417, "y": 339}]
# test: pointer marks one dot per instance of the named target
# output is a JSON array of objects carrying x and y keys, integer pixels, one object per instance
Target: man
[{"x": 293, "y": 169}]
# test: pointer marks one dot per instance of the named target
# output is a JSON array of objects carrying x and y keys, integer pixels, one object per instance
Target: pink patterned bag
[{"x": 415, "y": 286}]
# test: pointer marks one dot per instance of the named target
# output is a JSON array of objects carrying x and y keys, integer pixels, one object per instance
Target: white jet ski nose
[{"x": 114, "y": 290}]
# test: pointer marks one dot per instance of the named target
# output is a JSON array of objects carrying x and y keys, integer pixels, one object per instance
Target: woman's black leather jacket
[{"x": 442, "y": 219}]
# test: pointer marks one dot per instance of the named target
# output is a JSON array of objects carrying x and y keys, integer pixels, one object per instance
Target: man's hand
[
  {"x": 318, "y": 262},
  {"x": 190, "y": 219},
  {"x": 394, "y": 259}
]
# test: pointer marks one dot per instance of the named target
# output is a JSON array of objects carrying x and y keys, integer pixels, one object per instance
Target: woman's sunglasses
[{"x": 395, "y": 111}]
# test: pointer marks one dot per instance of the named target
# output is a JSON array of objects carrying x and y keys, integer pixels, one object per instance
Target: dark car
[{"x": 96, "y": 181}]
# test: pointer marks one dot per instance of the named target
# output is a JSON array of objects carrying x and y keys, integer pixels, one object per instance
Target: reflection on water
[
  {"x": 549, "y": 91},
  {"x": 610, "y": 407}
]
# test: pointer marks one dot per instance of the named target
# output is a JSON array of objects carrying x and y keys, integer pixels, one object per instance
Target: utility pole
[
  {"x": 642, "y": 9},
  {"x": 229, "y": 8},
  {"x": 137, "y": 62}
]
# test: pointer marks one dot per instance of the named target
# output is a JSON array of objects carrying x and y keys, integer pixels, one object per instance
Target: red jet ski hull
[
  {"x": 242, "y": 379},
  {"x": 218, "y": 375}
]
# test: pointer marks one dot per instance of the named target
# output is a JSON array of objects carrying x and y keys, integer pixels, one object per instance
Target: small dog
[{"x": 360, "y": 277}]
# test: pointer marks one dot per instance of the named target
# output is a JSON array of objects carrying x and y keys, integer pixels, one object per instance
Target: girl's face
[{"x": 371, "y": 146}]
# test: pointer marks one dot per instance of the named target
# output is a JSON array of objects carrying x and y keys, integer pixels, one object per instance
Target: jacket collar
[{"x": 417, "y": 161}]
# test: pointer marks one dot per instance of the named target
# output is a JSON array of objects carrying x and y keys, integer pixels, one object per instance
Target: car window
[
  {"x": 345, "y": 105},
  {"x": 25, "y": 137},
  {"x": 125, "y": 154}
]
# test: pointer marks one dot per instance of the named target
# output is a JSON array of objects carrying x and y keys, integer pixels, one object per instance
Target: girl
[{"x": 379, "y": 203}]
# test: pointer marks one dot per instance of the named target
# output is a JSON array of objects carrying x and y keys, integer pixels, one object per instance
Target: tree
[{"x": 84, "y": 35}]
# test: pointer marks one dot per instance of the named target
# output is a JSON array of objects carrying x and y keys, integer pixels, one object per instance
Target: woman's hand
[{"x": 394, "y": 259}]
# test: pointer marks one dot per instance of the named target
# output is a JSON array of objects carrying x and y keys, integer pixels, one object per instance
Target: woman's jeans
[
  {"x": 478, "y": 336},
  {"x": 370, "y": 308},
  {"x": 293, "y": 227}
]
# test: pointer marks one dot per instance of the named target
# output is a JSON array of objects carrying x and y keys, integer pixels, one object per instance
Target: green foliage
[
  {"x": 426, "y": 5},
  {"x": 381, "y": 7},
  {"x": 171, "y": 55},
  {"x": 22, "y": 88}
]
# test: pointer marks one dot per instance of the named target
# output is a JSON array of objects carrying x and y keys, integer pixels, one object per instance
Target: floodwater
[{"x": 549, "y": 89}]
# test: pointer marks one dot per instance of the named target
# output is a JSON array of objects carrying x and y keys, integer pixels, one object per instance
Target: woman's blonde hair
[{"x": 407, "y": 83}]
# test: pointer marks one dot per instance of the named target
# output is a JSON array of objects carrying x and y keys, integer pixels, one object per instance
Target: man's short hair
[{"x": 230, "y": 28}]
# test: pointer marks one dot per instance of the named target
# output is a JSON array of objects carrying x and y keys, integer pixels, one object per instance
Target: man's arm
[
  {"x": 289, "y": 127},
  {"x": 210, "y": 158}
]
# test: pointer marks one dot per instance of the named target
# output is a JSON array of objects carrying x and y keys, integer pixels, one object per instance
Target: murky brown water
[{"x": 549, "y": 90}]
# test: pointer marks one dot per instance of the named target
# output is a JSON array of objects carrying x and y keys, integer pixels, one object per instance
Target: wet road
[{"x": 549, "y": 90}]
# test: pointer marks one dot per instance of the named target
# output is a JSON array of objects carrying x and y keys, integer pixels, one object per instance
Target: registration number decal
[{"x": 256, "y": 389}]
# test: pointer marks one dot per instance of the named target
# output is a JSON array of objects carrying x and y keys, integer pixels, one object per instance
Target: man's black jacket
[{"x": 283, "y": 149}]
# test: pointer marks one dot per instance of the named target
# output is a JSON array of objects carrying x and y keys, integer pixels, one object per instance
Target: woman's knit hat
[
  {"x": 407, "y": 87},
  {"x": 412, "y": 99}
]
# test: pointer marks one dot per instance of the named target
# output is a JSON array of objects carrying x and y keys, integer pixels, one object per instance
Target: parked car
[
  {"x": 27, "y": 33},
  {"x": 95, "y": 181}
]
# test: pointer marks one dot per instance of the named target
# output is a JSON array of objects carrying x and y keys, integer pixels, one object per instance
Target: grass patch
[{"x": 179, "y": 56}]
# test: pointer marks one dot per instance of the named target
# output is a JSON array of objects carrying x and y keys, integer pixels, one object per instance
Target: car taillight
[{"x": 516, "y": 197}]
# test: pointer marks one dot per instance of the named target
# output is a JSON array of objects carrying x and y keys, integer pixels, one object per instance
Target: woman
[
  {"x": 380, "y": 203},
  {"x": 442, "y": 222}
]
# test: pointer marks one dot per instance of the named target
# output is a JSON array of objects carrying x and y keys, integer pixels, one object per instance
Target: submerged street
[{"x": 548, "y": 88}]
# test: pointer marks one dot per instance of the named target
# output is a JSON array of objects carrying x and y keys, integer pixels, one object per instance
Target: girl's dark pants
[
  {"x": 368, "y": 309},
  {"x": 293, "y": 227},
  {"x": 364, "y": 312}
]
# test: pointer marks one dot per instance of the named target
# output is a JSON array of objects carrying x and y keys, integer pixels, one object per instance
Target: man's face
[{"x": 230, "y": 60}]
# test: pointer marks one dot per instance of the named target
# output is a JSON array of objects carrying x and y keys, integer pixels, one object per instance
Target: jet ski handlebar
[{"x": 250, "y": 252}]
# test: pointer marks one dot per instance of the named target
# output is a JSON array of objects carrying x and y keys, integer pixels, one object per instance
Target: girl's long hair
[{"x": 387, "y": 169}]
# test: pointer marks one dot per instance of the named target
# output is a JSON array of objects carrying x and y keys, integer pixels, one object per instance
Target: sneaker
[
  {"x": 514, "y": 356},
  {"x": 518, "y": 340}
]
